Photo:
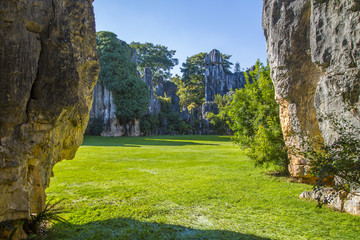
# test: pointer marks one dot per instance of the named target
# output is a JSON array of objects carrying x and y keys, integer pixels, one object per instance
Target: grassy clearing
[{"x": 183, "y": 187}]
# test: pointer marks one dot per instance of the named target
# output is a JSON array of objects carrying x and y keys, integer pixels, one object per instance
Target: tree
[
  {"x": 254, "y": 118},
  {"x": 156, "y": 57},
  {"x": 118, "y": 74},
  {"x": 237, "y": 68}
]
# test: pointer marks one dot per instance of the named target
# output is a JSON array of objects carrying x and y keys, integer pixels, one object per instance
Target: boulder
[{"x": 48, "y": 68}]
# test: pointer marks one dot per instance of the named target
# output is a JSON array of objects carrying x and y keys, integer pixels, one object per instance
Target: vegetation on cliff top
[
  {"x": 156, "y": 57},
  {"x": 118, "y": 73}
]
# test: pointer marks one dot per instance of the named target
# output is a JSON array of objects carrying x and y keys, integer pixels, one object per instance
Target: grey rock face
[
  {"x": 314, "y": 52},
  {"x": 104, "y": 108},
  {"x": 48, "y": 68},
  {"x": 154, "y": 106},
  {"x": 168, "y": 89},
  {"x": 216, "y": 80},
  {"x": 342, "y": 202}
]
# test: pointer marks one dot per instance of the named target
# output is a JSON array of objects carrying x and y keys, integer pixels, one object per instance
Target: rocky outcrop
[
  {"x": 314, "y": 52},
  {"x": 154, "y": 106},
  {"x": 103, "y": 113},
  {"x": 48, "y": 68},
  {"x": 216, "y": 80},
  {"x": 103, "y": 120},
  {"x": 341, "y": 202},
  {"x": 168, "y": 89}
]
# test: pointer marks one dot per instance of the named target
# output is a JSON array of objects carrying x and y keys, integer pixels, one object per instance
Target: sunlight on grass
[{"x": 183, "y": 187}]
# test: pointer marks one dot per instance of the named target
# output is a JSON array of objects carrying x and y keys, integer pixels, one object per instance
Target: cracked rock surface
[
  {"x": 314, "y": 52},
  {"x": 48, "y": 68}
]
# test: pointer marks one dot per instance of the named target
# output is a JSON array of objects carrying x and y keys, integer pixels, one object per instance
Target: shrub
[
  {"x": 95, "y": 126},
  {"x": 339, "y": 159},
  {"x": 149, "y": 124},
  {"x": 219, "y": 122},
  {"x": 253, "y": 115},
  {"x": 36, "y": 224}
]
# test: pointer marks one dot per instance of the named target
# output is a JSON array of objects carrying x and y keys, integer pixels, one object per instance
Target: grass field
[{"x": 183, "y": 187}]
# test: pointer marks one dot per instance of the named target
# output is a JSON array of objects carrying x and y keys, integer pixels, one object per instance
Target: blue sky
[{"x": 188, "y": 26}]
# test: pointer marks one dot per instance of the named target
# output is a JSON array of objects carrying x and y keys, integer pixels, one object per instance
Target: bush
[
  {"x": 95, "y": 126},
  {"x": 149, "y": 124},
  {"x": 219, "y": 122},
  {"x": 253, "y": 115},
  {"x": 339, "y": 159}
]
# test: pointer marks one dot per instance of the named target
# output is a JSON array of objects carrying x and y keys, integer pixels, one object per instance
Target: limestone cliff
[
  {"x": 217, "y": 82},
  {"x": 154, "y": 106},
  {"x": 48, "y": 68},
  {"x": 103, "y": 110},
  {"x": 314, "y": 52},
  {"x": 169, "y": 89}
]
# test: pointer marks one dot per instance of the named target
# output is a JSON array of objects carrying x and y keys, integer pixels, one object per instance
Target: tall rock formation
[
  {"x": 169, "y": 89},
  {"x": 103, "y": 118},
  {"x": 217, "y": 82},
  {"x": 314, "y": 52},
  {"x": 103, "y": 112},
  {"x": 154, "y": 106},
  {"x": 48, "y": 68}
]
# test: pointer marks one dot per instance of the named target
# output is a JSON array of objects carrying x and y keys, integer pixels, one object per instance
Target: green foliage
[
  {"x": 156, "y": 57},
  {"x": 118, "y": 73},
  {"x": 169, "y": 120},
  {"x": 340, "y": 159},
  {"x": 254, "y": 118},
  {"x": 220, "y": 121},
  {"x": 95, "y": 126},
  {"x": 36, "y": 224},
  {"x": 149, "y": 124}
]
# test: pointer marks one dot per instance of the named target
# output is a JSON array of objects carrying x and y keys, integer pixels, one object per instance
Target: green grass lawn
[{"x": 183, "y": 187}]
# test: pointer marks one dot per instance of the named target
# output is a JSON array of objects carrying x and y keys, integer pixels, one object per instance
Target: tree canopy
[
  {"x": 118, "y": 73},
  {"x": 156, "y": 57}
]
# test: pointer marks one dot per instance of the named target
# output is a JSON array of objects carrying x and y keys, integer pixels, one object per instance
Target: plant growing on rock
[
  {"x": 118, "y": 73},
  {"x": 37, "y": 223},
  {"x": 339, "y": 159}
]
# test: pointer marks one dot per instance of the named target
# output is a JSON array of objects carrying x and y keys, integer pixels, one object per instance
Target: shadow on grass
[
  {"x": 151, "y": 141},
  {"x": 124, "y": 228}
]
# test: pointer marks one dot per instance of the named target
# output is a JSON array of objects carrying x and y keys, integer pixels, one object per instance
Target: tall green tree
[
  {"x": 156, "y": 57},
  {"x": 254, "y": 117},
  {"x": 119, "y": 74}
]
